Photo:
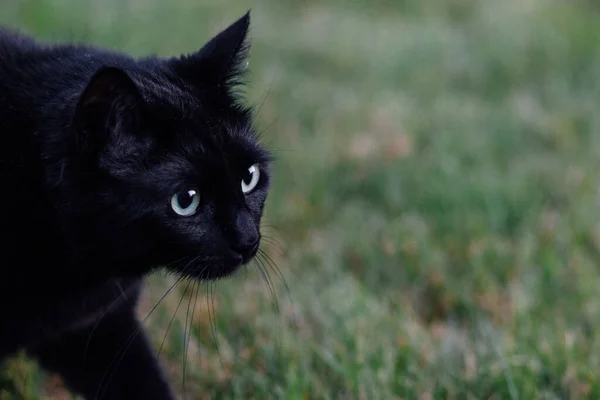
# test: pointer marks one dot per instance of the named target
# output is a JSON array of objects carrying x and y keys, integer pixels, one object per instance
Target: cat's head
[{"x": 178, "y": 176}]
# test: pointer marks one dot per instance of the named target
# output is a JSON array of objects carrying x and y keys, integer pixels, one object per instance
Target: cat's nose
[
  {"x": 247, "y": 245},
  {"x": 246, "y": 235}
]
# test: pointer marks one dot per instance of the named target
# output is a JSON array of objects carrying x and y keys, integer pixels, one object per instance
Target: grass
[{"x": 435, "y": 199}]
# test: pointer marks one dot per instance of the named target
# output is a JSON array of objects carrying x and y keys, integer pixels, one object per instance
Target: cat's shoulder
[
  {"x": 15, "y": 43},
  {"x": 15, "y": 37}
]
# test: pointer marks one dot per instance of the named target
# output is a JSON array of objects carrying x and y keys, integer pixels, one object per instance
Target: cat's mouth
[
  {"x": 218, "y": 267},
  {"x": 247, "y": 256},
  {"x": 238, "y": 259}
]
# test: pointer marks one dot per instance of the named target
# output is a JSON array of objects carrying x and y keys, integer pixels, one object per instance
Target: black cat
[{"x": 112, "y": 167}]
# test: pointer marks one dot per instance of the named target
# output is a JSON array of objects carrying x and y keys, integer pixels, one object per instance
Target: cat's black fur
[{"x": 93, "y": 146}]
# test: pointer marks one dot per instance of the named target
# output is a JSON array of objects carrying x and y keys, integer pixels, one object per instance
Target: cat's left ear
[
  {"x": 220, "y": 62},
  {"x": 108, "y": 105}
]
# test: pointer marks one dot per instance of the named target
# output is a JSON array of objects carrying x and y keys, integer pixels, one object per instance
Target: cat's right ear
[
  {"x": 110, "y": 100},
  {"x": 220, "y": 62}
]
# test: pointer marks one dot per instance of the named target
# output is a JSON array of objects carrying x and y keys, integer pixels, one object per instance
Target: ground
[{"x": 435, "y": 206}]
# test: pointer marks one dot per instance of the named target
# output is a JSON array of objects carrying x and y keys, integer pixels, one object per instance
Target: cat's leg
[{"x": 119, "y": 362}]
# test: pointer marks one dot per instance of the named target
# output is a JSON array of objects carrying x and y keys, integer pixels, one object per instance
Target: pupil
[
  {"x": 185, "y": 199},
  {"x": 247, "y": 178}
]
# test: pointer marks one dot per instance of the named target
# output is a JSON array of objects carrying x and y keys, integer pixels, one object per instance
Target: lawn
[{"x": 435, "y": 210}]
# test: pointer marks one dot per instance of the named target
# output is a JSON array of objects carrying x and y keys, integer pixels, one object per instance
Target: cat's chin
[
  {"x": 222, "y": 272},
  {"x": 217, "y": 271},
  {"x": 225, "y": 270},
  {"x": 212, "y": 269}
]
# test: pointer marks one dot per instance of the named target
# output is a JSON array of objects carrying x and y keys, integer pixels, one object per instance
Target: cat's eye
[
  {"x": 185, "y": 203},
  {"x": 250, "y": 179}
]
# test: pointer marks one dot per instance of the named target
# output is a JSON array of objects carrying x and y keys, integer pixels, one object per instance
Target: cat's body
[{"x": 111, "y": 167}]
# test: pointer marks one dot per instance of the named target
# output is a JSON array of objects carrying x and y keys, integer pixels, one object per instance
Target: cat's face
[{"x": 181, "y": 177}]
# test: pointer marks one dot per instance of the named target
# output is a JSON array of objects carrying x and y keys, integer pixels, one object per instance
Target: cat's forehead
[
  {"x": 217, "y": 157},
  {"x": 199, "y": 125},
  {"x": 170, "y": 99},
  {"x": 206, "y": 139},
  {"x": 166, "y": 95},
  {"x": 226, "y": 143}
]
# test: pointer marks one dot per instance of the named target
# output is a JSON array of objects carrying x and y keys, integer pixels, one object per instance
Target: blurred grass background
[{"x": 435, "y": 200}]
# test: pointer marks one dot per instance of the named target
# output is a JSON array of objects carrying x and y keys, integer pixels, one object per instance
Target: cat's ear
[
  {"x": 110, "y": 98},
  {"x": 220, "y": 62}
]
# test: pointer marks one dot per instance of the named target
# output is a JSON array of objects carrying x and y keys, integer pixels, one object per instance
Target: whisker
[
  {"x": 171, "y": 321},
  {"x": 274, "y": 244},
  {"x": 213, "y": 318},
  {"x": 269, "y": 283},
  {"x": 104, "y": 313},
  {"x": 185, "y": 343},
  {"x": 197, "y": 289},
  {"x": 257, "y": 111},
  {"x": 256, "y": 114},
  {"x": 118, "y": 356},
  {"x": 267, "y": 224},
  {"x": 260, "y": 133},
  {"x": 277, "y": 271},
  {"x": 267, "y": 279},
  {"x": 268, "y": 228},
  {"x": 174, "y": 262},
  {"x": 272, "y": 239}
]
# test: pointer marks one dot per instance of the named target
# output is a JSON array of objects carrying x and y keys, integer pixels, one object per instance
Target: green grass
[{"x": 436, "y": 198}]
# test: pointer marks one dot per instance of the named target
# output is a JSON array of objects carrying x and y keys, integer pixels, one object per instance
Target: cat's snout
[
  {"x": 246, "y": 247},
  {"x": 246, "y": 238}
]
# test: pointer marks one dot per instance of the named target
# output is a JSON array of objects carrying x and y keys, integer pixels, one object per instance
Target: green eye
[
  {"x": 250, "y": 179},
  {"x": 185, "y": 203}
]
